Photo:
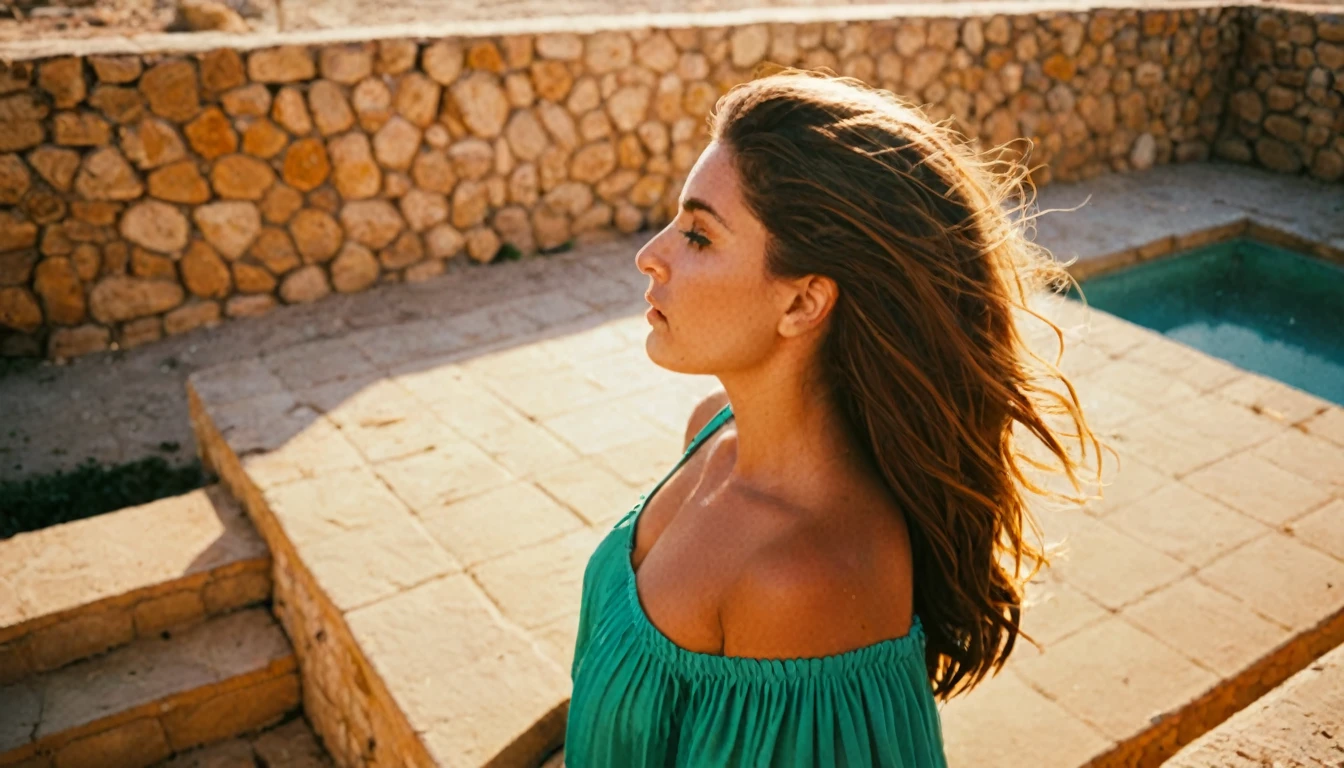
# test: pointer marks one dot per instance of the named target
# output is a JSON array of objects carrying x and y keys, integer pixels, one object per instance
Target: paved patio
[{"x": 431, "y": 465}]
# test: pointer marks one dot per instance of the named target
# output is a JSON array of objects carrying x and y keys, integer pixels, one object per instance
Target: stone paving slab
[
  {"x": 160, "y": 695},
  {"x": 85, "y": 587}
]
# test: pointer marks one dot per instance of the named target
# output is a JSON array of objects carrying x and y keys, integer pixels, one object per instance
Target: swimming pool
[{"x": 1260, "y": 307}]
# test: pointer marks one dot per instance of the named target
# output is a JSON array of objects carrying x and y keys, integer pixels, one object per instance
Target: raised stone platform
[{"x": 430, "y": 491}]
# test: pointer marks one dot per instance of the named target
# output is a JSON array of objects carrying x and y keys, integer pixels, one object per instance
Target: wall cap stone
[{"x": 179, "y": 43}]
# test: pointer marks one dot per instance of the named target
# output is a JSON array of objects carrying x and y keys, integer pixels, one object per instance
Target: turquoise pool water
[{"x": 1262, "y": 308}]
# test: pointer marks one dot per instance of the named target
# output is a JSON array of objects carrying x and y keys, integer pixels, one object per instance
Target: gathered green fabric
[{"x": 641, "y": 700}]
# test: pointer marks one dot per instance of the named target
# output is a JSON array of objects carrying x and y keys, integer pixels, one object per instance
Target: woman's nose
[{"x": 649, "y": 260}]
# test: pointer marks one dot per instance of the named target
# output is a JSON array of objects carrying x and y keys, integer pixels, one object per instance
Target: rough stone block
[
  {"x": 1056, "y": 610},
  {"x": 232, "y": 713},
  {"x": 286, "y": 64},
  {"x": 448, "y": 473},
  {"x": 1322, "y": 529},
  {"x": 1317, "y": 460},
  {"x": 238, "y": 590},
  {"x": 14, "y": 665},
  {"x": 136, "y": 744},
  {"x": 156, "y": 614},
  {"x": 80, "y": 637}
]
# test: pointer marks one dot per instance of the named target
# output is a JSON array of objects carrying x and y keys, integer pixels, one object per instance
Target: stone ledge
[
  {"x": 92, "y": 585},
  {"x": 155, "y": 697},
  {"x": 168, "y": 43},
  {"x": 1249, "y": 227},
  {"x": 1301, "y": 722},
  {"x": 1173, "y": 211}
]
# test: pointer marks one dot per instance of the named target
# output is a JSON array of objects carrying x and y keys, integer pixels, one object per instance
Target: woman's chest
[{"x": 687, "y": 553}]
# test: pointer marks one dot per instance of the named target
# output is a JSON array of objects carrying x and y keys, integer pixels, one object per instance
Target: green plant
[
  {"x": 90, "y": 489},
  {"x": 508, "y": 252},
  {"x": 568, "y": 245},
  {"x": 16, "y": 365}
]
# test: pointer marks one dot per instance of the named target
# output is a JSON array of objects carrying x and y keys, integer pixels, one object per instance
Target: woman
[{"x": 831, "y": 554}]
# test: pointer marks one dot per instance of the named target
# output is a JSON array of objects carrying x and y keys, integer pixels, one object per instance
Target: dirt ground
[
  {"x": 102, "y": 17},
  {"x": 33, "y": 19},
  {"x": 37, "y": 19}
]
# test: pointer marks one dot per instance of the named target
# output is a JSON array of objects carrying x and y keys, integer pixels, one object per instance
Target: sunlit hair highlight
[{"x": 927, "y": 241}]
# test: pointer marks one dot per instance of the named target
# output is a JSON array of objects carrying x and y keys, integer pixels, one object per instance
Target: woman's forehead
[{"x": 713, "y": 182}]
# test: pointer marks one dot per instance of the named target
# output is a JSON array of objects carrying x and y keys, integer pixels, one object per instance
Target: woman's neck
[{"x": 791, "y": 441}]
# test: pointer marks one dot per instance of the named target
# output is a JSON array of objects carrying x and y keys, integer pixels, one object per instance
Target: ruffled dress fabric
[{"x": 640, "y": 700}]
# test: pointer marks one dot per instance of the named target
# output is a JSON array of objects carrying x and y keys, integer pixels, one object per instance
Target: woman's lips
[{"x": 654, "y": 313}]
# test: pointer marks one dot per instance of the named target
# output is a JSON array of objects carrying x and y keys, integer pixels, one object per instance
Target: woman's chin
[
  {"x": 655, "y": 346},
  {"x": 661, "y": 355}
]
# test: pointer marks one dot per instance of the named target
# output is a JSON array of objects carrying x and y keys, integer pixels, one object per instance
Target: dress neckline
[
  {"x": 704, "y": 434},
  {"x": 882, "y": 652}
]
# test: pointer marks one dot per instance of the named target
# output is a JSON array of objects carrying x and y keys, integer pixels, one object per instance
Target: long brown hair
[{"x": 924, "y": 356}]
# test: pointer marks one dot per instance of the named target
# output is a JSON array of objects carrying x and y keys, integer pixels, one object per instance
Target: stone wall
[
  {"x": 151, "y": 194},
  {"x": 1286, "y": 110}
]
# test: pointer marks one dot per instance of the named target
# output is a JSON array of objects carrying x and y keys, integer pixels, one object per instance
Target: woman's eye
[{"x": 697, "y": 240}]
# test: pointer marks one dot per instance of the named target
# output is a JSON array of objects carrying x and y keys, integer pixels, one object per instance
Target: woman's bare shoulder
[
  {"x": 703, "y": 411},
  {"x": 808, "y": 594}
]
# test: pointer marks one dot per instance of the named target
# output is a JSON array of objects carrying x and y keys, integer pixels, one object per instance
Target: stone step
[
  {"x": 158, "y": 696},
  {"x": 289, "y": 745},
  {"x": 1300, "y": 723},
  {"x": 72, "y": 591}
]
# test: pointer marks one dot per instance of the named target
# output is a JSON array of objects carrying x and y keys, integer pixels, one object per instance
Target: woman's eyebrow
[{"x": 696, "y": 204}]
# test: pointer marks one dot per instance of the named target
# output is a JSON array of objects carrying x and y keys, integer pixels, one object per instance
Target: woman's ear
[{"x": 812, "y": 298}]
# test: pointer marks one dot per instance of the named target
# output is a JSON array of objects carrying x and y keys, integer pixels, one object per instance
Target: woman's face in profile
[{"x": 719, "y": 310}]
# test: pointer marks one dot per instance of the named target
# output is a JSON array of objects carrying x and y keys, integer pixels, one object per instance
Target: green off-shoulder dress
[{"x": 641, "y": 700}]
